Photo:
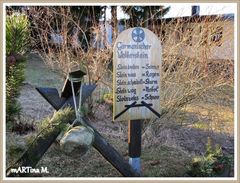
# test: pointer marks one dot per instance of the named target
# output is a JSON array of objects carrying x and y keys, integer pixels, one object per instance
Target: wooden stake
[{"x": 134, "y": 144}]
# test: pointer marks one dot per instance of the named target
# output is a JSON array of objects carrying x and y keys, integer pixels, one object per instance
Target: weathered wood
[
  {"x": 41, "y": 144},
  {"x": 137, "y": 56},
  {"x": 134, "y": 144},
  {"x": 36, "y": 150},
  {"x": 67, "y": 90},
  {"x": 111, "y": 154},
  {"x": 52, "y": 96},
  {"x": 134, "y": 138},
  {"x": 77, "y": 74}
]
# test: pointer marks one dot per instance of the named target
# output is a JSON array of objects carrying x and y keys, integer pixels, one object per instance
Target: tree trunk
[{"x": 114, "y": 23}]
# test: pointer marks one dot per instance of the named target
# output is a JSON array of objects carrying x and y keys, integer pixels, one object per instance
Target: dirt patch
[{"x": 193, "y": 141}]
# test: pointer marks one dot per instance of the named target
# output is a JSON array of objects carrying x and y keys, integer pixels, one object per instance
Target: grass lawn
[
  {"x": 166, "y": 154},
  {"x": 39, "y": 75}
]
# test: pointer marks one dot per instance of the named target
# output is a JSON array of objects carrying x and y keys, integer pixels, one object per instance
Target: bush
[
  {"x": 213, "y": 164},
  {"x": 17, "y": 36},
  {"x": 189, "y": 73},
  {"x": 14, "y": 79},
  {"x": 108, "y": 98}
]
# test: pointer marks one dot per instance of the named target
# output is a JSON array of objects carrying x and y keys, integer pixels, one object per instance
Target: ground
[{"x": 166, "y": 154}]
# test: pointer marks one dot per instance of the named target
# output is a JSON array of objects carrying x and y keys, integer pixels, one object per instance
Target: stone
[{"x": 77, "y": 141}]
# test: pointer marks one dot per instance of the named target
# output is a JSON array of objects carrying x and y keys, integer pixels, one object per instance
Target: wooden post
[
  {"x": 137, "y": 56},
  {"x": 134, "y": 144}
]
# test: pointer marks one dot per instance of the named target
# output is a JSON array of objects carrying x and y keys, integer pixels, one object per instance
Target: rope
[
  {"x": 78, "y": 110},
  {"x": 74, "y": 97}
]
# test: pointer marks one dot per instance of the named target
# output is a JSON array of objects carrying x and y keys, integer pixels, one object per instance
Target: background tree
[{"x": 143, "y": 15}]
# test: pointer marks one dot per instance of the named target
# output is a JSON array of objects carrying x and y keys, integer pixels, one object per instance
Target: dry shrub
[
  {"x": 195, "y": 58},
  {"x": 197, "y": 64},
  {"x": 62, "y": 40}
]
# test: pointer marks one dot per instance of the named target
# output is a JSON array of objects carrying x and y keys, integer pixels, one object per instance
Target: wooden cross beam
[
  {"x": 100, "y": 144},
  {"x": 67, "y": 90},
  {"x": 57, "y": 101},
  {"x": 53, "y": 98},
  {"x": 41, "y": 145}
]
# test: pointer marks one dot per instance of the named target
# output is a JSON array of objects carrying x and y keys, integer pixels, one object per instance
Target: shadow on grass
[{"x": 170, "y": 151}]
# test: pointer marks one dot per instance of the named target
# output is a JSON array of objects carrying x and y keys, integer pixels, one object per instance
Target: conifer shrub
[
  {"x": 17, "y": 38},
  {"x": 214, "y": 163}
]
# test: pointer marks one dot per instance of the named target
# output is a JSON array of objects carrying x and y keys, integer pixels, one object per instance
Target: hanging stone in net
[{"x": 77, "y": 141}]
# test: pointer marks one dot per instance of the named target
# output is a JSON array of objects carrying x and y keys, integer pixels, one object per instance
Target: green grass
[
  {"x": 39, "y": 75},
  {"x": 201, "y": 125}
]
